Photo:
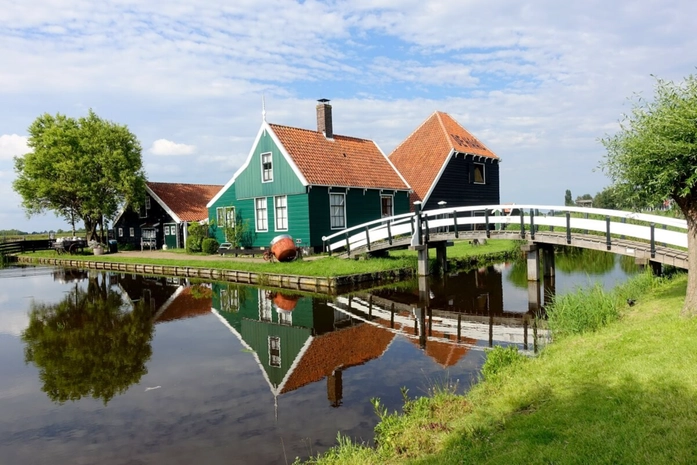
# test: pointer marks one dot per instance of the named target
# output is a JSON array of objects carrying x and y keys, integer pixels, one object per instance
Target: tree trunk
[{"x": 688, "y": 205}]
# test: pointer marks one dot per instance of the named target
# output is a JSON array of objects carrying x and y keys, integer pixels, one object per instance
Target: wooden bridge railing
[{"x": 528, "y": 219}]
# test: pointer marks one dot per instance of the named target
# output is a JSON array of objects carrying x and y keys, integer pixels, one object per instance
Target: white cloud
[
  {"x": 164, "y": 147},
  {"x": 12, "y": 145}
]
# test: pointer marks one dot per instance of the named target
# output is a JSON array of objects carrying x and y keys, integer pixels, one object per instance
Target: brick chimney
[{"x": 324, "y": 118}]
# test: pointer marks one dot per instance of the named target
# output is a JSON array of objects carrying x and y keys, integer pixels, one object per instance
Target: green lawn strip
[
  {"x": 623, "y": 394},
  {"x": 325, "y": 266}
]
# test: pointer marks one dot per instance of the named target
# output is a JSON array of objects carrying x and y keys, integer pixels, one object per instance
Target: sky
[{"x": 540, "y": 83}]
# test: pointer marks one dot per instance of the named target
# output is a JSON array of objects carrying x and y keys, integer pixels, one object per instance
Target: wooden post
[
  {"x": 441, "y": 256},
  {"x": 457, "y": 234},
  {"x": 533, "y": 261},
  {"x": 532, "y": 224},
  {"x": 522, "y": 224},
  {"x": 568, "y": 228},
  {"x": 367, "y": 238},
  {"x": 486, "y": 223},
  {"x": 608, "y": 238},
  {"x": 653, "y": 240},
  {"x": 389, "y": 233}
]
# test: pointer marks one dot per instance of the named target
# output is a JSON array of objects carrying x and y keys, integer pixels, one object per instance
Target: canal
[{"x": 129, "y": 369}]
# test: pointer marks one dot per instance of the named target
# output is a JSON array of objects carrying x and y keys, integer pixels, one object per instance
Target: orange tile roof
[
  {"x": 342, "y": 161},
  {"x": 343, "y": 348},
  {"x": 187, "y": 305},
  {"x": 420, "y": 156},
  {"x": 187, "y": 201}
]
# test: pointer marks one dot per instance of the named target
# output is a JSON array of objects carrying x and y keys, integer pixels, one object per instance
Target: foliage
[
  {"x": 240, "y": 235},
  {"x": 499, "y": 359},
  {"x": 196, "y": 233},
  {"x": 209, "y": 246},
  {"x": 193, "y": 244},
  {"x": 608, "y": 198},
  {"x": 88, "y": 344},
  {"x": 81, "y": 169},
  {"x": 584, "y": 197},
  {"x": 568, "y": 200},
  {"x": 654, "y": 157}
]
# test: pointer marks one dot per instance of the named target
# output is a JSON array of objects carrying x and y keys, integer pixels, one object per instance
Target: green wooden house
[{"x": 308, "y": 184}]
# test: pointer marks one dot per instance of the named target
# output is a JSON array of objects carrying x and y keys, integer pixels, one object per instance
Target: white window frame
[
  {"x": 285, "y": 317},
  {"x": 225, "y": 217},
  {"x": 147, "y": 203},
  {"x": 276, "y": 209},
  {"x": 131, "y": 232},
  {"x": 266, "y": 174},
  {"x": 265, "y": 306},
  {"x": 387, "y": 196},
  {"x": 343, "y": 204},
  {"x": 265, "y": 210},
  {"x": 474, "y": 170},
  {"x": 120, "y": 232},
  {"x": 275, "y": 345},
  {"x": 166, "y": 230}
]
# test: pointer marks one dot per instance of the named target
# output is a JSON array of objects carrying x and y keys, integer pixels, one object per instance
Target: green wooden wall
[
  {"x": 285, "y": 181},
  {"x": 361, "y": 206}
]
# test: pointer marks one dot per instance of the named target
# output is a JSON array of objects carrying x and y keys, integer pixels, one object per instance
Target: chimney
[{"x": 324, "y": 118}]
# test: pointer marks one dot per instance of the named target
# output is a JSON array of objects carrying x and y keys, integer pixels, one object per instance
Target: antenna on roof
[{"x": 263, "y": 108}]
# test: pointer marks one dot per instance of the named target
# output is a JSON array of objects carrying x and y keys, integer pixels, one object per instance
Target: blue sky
[{"x": 538, "y": 82}]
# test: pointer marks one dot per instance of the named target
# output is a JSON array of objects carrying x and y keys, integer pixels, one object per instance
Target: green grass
[
  {"x": 324, "y": 266},
  {"x": 623, "y": 394}
]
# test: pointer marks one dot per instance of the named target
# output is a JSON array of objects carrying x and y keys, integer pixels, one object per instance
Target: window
[
  {"x": 260, "y": 214},
  {"x": 120, "y": 232},
  {"x": 142, "y": 212},
  {"x": 131, "y": 232},
  {"x": 479, "y": 173},
  {"x": 166, "y": 230},
  {"x": 229, "y": 299},
  {"x": 265, "y": 306},
  {"x": 226, "y": 218},
  {"x": 386, "y": 205},
  {"x": 147, "y": 203},
  {"x": 285, "y": 318},
  {"x": 281, "y": 213},
  {"x": 266, "y": 167},
  {"x": 337, "y": 210},
  {"x": 275, "y": 351}
]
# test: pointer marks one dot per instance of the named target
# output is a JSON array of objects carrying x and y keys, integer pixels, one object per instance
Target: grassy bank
[
  {"x": 622, "y": 391},
  {"x": 323, "y": 266}
]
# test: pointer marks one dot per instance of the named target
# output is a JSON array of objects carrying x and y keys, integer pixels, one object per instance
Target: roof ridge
[
  {"x": 442, "y": 126},
  {"x": 182, "y": 183},
  {"x": 316, "y": 132},
  {"x": 413, "y": 132}
]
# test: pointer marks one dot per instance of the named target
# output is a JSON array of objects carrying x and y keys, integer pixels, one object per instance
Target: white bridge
[{"x": 648, "y": 238}]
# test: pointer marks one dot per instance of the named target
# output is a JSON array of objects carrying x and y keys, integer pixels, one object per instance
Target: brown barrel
[
  {"x": 283, "y": 248},
  {"x": 285, "y": 302}
]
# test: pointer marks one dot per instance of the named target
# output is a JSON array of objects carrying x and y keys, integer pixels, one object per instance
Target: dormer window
[{"x": 266, "y": 167}]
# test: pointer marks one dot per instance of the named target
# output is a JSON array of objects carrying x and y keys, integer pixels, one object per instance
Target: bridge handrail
[{"x": 380, "y": 221}]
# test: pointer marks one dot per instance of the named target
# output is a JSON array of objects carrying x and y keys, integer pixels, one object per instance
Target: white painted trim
[
  {"x": 256, "y": 229},
  {"x": 330, "y": 211},
  {"x": 275, "y": 215},
  {"x": 438, "y": 176},
  {"x": 393, "y": 167},
  {"x": 163, "y": 205},
  {"x": 261, "y": 163},
  {"x": 264, "y": 127}
]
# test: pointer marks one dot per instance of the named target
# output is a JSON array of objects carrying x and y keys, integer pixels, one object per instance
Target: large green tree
[
  {"x": 81, "y": 169},
  {"x": 654, "y": 157}
]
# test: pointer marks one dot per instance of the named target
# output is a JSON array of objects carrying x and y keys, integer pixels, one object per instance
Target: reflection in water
[{"x": 89, "y": 343}]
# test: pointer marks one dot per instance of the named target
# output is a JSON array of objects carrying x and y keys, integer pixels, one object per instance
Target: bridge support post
[
  {"x": 533, "y": 254},
  {"x": 548, "y": 261},
  {"x": 534, "y": 300},
  {"x": 422, "y": 266},
  {"x": 442, "y": 256}
]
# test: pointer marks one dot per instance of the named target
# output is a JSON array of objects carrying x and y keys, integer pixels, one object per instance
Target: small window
[
  {"x": 281, "y": 213},
  {"x": 147, "y": 203},
  {"x": 386, "y": 205},
  {"x": 131, "y": 232},
  {"x": 142, "y": 212},
  {"x": 479, "y": 173},
  {"x": 261, "y": 214},
  {"x": 266, "y": 167},
  {"x": 285, "y": 318},
  {"x": 226, "y": 217},
  {"x": 337, "y": 210},
  {"x": 275, "y": 351},
  {"x": 120, "y": 232},
  {"x": 166, "y": 230}
]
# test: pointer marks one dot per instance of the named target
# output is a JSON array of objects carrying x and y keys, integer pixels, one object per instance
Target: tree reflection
[{"x": 89, "y": 344}]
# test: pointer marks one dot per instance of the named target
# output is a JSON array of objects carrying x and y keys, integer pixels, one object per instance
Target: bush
[
  {"x": 209, "y": 246},
  {"x": 499, "y": 358},
  {"x": 193, "y": 244}
]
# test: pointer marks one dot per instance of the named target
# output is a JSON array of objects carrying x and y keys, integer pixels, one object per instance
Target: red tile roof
[
  {"x": 342, "y": 161},
  {"x": 420, "y": 157},
  {"x": 343, "y": 348},
  {"x": 187, "y": 201}
]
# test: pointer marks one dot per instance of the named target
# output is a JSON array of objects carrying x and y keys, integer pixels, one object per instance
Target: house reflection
[{"x": 298, "y": 340}]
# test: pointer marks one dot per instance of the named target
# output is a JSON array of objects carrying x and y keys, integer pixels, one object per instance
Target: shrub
[
  {"x": 209, "y": 246},
  {"x": 499, "y": 358},
  {"x": 193, "y": 244}
]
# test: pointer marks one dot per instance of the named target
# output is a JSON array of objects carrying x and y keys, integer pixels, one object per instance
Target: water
[{"x": 124, "y": 369}]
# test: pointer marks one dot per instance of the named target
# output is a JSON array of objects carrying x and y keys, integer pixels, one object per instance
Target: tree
[
  {"x": 88, "y": 344},
  {"x": 568, "y": 200},
  {"x": 81, "y": 169},
  {"x": 583, "y": 197},
  {"x": 654, "y": 157},
  {"x": 607, "y": 198}
]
